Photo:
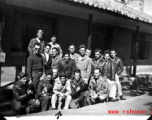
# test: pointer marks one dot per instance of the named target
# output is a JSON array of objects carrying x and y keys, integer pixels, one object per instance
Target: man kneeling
[
  {"x": 45, "y": 90},
  {"x": 62, "y": 91},
  {"x": 79, "y": 92},
  {"x": 23, "y": 96},
  {"x": 98, "y": 87}
]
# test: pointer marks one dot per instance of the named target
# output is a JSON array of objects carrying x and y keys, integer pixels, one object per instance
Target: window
[{"x": 142, "y": 47}]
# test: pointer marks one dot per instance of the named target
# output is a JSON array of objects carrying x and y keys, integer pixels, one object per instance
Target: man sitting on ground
[
  {"x": 45, "y": 90},
  {"x": 62, "y": 91},
  {"x": 23, "y": 96},
  {"x": 79, "y": 92}
]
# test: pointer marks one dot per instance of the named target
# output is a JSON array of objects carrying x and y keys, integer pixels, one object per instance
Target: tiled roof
[{"x": 117, "y": 7}]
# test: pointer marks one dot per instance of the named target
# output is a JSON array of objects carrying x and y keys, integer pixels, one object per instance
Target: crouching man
[
  {"x": 62, "y": 91},
  {"x": 98, "y": 87},
  {"x": 23, "y": 96},
  {"x": 79, "y": 92},
  {"x": 45, "y": 90}
]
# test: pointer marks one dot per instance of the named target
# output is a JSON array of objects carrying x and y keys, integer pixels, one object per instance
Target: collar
[{"x": 38, "y": 40}]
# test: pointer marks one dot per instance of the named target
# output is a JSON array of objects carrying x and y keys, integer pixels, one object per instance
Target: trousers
[
  {"x": 118, "y": 85},
  {"x": 60, "y": 99}
]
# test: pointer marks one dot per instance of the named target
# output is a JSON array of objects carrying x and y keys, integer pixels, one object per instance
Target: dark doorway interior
[
  {"x": 101, "y": 38},
  {"x": 25, "y": 26}
]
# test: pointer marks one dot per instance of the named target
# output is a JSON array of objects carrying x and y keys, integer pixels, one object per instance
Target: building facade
[{"x": 70, "y": 22}]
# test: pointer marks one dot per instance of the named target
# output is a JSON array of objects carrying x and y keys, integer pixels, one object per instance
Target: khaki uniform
[
  {"x": 84, "y": 64},
  {"x": 66, "y": 90}
]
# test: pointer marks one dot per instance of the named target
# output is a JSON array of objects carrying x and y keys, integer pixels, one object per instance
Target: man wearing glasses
[{"x": 35, "y": 65}]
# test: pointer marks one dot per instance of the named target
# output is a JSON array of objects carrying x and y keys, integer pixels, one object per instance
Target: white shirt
[{"x": 46, "y": 56}]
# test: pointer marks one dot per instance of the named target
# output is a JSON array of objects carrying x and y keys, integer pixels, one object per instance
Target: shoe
[
  {"x": 113, "y": 100},
  {"x": 53, "y": 108},
  {"x": 28, "y": 109},
  {"x": 122, "y": 98}
]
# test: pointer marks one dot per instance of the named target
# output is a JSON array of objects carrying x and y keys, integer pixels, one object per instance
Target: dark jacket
[
  {"x": 32, "y": 43},
  {"x": 44, "y": 87},
  {"x": 97, "y": 64},
  {"x": 35, "y": 62},
  {"x": 118, "y": 65},
  {"x": 48, "y": 63},
  {"x": 74, "y": 85},
  {"x": 108, "y": 69},
  {"x": 67, "y": 67},
  {"x": 20, "y": 92}
]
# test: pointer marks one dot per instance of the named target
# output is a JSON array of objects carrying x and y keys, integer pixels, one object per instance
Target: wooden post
[
  {"x": 89, "y": 30},
  {"x": 136, "y": 47},
  {"x": 2, "y": 4}
]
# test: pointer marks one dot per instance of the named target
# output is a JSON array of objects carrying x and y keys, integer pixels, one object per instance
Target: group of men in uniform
[{"x": 72, "y": 81}]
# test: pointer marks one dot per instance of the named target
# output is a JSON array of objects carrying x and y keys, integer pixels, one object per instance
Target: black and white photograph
[{"x": 75, "y": 59}]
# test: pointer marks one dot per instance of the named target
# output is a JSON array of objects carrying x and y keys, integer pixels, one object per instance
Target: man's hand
[
  {"x": 42, "y": 77},
  {"x": 77, "y": 89},
  {"x": 37, "y": 102},
  {"x": 29, "y": 92}
]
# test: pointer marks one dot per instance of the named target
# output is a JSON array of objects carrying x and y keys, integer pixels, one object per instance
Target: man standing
[
  {"x": 119, "y": 69},
  {"x": 62, "y": 91},
  {"x": 109, "y": 73},
  {"x": 79, "y": 91},
  {"x": 55, "y": 58},
  {"x": 36, "y": 40},
  {"x": 83, "y": 63},
  {"x": 55, "y": 74},
  {"x": 35, "y": 65},
  {"x": 54, "y": 44},
  {"x": 47, "y": 59},
  {"x": 73, "y": 55},
  {"x": 67, "y": 65},
  {"x": 45, "y": 90},
  {"x": 88, "y": 53},
  {"x": 22, "y": 96},
  {"x": 98, "y": 61}
]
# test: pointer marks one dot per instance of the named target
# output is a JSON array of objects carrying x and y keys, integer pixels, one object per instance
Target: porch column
[
  {"x": 90, "y": 30},
  {"x": 136, "y": 47}
]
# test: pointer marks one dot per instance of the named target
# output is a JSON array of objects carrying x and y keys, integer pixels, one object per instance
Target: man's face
[
  {"x": 49, "y": 77},
  {"x": 39, "y": 35},
  {"x": 47, "y": 49},
  {"x": 53, "y": 39},
  {"x": 88, "y": 53},
  {"x": 113, "y": 54},
  {"x": 54, "y": 52},
  {"x": 96, "y": 74},
  {"x": 23, "y": 80},
  {"x": 66, "y": 57},
  {"x": 97, "y": 55},
  {"x": 77, "y": 76},
  {"x": 82, "y": 51},
  {"x": 71, "y": 49},
  {"x": 55, "y": 72},
  {"x": 63, "y": 80},
  {"x": 37, "y": 49},
  {"x": 106, "y": 56}
]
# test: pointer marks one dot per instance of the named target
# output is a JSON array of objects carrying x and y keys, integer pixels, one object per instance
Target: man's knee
[
  {"x": 74, "y": 105},
  {"x": 32, "y": 104},
  {"x": 69, "y": 98},
  {"x": 46, "y": 98},
  {"x": 17, "y": 106}
]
